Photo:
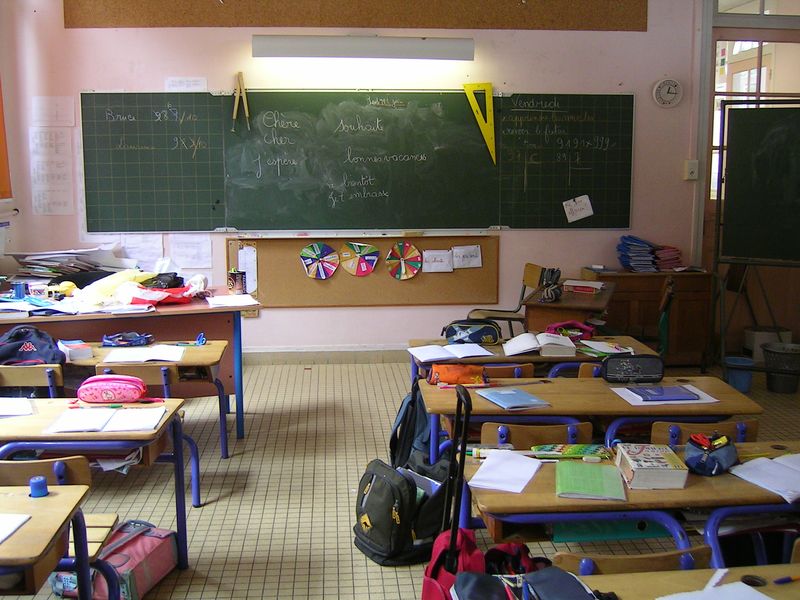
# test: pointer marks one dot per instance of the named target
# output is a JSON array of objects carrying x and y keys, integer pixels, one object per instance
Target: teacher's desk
[{"x": 571, "y": 306}]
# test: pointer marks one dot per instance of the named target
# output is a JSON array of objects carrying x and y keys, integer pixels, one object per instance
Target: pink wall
[{"x": 38, "y": 57}]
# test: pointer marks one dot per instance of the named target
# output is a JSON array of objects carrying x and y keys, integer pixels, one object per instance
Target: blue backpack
[
  {"x": 27, "y": 345},
  {"x": 411, "y": 432}
]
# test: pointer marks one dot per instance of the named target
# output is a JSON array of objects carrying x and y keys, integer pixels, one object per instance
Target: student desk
[
  {"x": 199, "y": 363},
  {"x": 27, "y": 433},
  {"x": 499, "y": 356},
  {"x": 572, "y": 306},
  {"x": 35, "y": 548},
  {"x": 580, "y": 397},
  {"x": 649, "y": 586},
  {"x": 170, "y": 321},
  {"x": 538, "y": 502}
]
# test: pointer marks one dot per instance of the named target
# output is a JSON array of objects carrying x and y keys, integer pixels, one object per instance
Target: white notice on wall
[
  {"x": 51, "y": 170},
  {"x": 578, "y": 208},
  {"x": 437, "y": 261},
  {"x": 185, "y": 84},
  {"x": 466, "y": 257},
  {"x": 191, "y": 250},
  {"x": 146, "y": 248},
  {"x": 248, "y": 262},
  {"x": 53, "y": 111}
]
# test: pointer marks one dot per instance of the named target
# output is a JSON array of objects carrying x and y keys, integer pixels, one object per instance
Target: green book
[{"x": 577, "y": 479}]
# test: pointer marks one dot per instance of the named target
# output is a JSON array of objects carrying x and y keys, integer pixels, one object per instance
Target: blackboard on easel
[{"x": 761, "y": 208}]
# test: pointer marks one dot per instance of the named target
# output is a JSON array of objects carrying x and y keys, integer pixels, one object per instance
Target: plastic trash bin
[
  {"x": 786, "y": 357},
  {"x": 739, "y": 378}
]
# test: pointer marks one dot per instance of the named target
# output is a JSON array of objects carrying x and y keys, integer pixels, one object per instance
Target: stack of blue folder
[{"x": 636, "y": 254}]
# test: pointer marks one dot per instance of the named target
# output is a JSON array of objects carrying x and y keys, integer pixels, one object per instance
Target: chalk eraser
[{"x": 598, "y": 266}]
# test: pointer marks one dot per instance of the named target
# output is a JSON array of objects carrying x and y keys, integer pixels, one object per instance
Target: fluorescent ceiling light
[{"x": 349, "y": 46}]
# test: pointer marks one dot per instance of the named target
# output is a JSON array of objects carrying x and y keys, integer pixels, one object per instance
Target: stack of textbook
[{"x": 651, "y": 466}]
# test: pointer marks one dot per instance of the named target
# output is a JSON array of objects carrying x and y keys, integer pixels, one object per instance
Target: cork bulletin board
[
  {"x": 585, "y": 15},
  {"x": 282, "y": 280}
]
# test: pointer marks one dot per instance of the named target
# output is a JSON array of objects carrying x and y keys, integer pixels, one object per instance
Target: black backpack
[
  {"x": 396, "y": 524},
  {"x": 411, "y": 432},
  {"x": 27, "y": 345}
]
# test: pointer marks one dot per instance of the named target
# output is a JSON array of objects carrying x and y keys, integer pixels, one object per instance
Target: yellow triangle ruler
[{"x": 486, "y": 123}]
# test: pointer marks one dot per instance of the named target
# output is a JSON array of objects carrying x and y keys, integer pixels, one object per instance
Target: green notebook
[{"x": 576, "y": 479}]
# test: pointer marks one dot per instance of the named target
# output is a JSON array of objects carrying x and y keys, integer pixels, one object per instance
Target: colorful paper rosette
[
  {"x": 359, "y": 259},
  {"x": 403, "y": 260},
  {"x": 319, "y": 260}
]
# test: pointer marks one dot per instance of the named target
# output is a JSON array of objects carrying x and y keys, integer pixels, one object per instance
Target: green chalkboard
[
  {"x": 556, "y": 147},
  {"x": 352, "y": 160},
  {"x": 349, "y": 160},
  {"x": 153, "y": 161},
  {"x": 761, "y": 211}
]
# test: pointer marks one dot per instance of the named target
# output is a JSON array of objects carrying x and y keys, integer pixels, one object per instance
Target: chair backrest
[
  {"x": 677, "y": 434},
  {"x": 795, "y": 558},
  {"x": 510, "y": 370},
  {"x": 524, "y": 436},
  {"x": 531, "y": 278},
  {"x": 49, "y": 376},
  {"x": 560, "y": 369},
  {"x": 697, "y": 557},
  {"x": 667, "y": 295},
  {"x": 58, "y": 471},
  {"x": 151, "y": 374}
]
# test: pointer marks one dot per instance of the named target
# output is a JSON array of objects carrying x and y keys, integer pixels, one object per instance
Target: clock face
[{"x": 668, "y": 92}]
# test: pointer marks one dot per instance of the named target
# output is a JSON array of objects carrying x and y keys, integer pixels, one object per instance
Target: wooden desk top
[
  {"x": 593, "y": 396},
  {"x": 49, "y": 515},
  {"x": 207, "y": 355},
  {"x": 198, "y": 306},
  {"x": 539, "y": 495},
  {"x": 531, "y": 357},
  {"x": 573, "y": 300},
  {"x": 648, "y": 586},
  {"x": 30, "y": 428}
]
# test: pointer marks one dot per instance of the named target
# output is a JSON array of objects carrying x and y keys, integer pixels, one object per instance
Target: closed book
[
  {"x": 577, "y": 479},
  {"x": 583, "y": 287},
  {"x": 75, "y": 349},
  {"x": 511, "y": 398},
  {"x": 569, "y": 450},
  {"x": 664, "y": 393},
  {"x": 651, "y": 466}
]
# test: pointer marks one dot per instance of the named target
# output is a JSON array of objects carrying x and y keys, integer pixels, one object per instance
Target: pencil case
[
  {"x": 453, "y": 374},
  {"x": 111, "y": 389}
]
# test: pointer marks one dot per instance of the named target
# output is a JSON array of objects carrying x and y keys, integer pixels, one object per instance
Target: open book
[
  {"x": 433, "y": 352},
  {"x": 779, "y": 475},
  {"x": 548, "y": 344}
]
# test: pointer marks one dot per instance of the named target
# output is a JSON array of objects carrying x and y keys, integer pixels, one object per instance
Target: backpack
[
  {"x": 396, "y": 521},
  {"x": 475, "y": 331},
  {"x": 411, "y": 431},
  {"x": 27, "y": 345}
]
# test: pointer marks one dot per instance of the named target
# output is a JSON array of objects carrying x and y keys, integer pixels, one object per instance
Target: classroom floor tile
[{"x": 277, "y": 517}]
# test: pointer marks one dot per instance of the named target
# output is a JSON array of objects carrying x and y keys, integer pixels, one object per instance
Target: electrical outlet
[{"x": 690, "y": 170}]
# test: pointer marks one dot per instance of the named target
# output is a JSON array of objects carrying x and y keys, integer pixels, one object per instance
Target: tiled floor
[{"x": 277, "y": 516}]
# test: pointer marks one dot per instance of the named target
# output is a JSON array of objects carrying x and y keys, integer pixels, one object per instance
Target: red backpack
[{"x": 440, "y": 577}]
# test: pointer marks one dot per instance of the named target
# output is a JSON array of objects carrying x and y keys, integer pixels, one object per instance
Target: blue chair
[
  {"x": 586, "y": 564},
  {"x": 559, "y": 368},
  {"x": 33, "y": 376},
  {"x": 508, "y": 370},
  {"x": 524, "y": 436}
]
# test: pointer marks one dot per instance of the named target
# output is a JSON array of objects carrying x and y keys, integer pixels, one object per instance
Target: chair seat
[{"x": 503, "y": 315}]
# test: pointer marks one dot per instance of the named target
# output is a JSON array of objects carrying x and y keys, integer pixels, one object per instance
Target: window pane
[
  {"x": 742, "y": 7},
  {"x": 736, "y": 63},
  {"x": 782, "y": 7},
  {"x": 782, "y": 65}
]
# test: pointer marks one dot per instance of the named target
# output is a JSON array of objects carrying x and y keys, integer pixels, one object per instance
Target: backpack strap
[
  {"x": 401, "y": 438},
  {"x": 140, "y": 527}
]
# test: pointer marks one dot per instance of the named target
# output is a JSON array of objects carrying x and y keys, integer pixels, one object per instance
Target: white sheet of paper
[
  {"x": 772, "y": 476},
  {"x": 190, "y": 250},
  {"x": 135, "y": 419},
  {"x": 231, "y": 300},
  {"x": 637, "y": 400},
  {"x": 81, "y": 419},
  {"x": 730, "y": 591},
  {"x": 505, "y": 471},
  {"x": 185, "y": 84},
  {"x": 604, "y": 347},
  {"x": 144, "y": 353},
  {"x": 578, "y": 208},
  {"x": 465, "y": 350},
  {"x": 9, "y": 523},
  {"x": 437, "y": 261},
  {"x": 467, "y": 257},
  {"x": 15, "y": 407}
]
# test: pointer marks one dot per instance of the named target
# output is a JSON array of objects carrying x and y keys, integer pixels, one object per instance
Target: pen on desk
[
  {"x": 98, "y": 406},
  {"x": 787, "y": 579}
]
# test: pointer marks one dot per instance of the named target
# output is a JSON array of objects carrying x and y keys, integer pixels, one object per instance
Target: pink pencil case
[{"x": 112, "y": 389}]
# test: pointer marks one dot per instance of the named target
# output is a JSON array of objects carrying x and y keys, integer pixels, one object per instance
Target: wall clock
[{"x": 667, "y": 92}]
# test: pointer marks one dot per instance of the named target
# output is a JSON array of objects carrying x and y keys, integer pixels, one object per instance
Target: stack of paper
[
  {"x": 434, "y": 352},
  {"x": 164, "y": 352},
  {"x": 506, "y": 471},
  {"x": 780, "y": 475}
]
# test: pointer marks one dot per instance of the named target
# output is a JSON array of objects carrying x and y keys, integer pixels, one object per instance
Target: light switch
[{"x": 690, "y": 170}]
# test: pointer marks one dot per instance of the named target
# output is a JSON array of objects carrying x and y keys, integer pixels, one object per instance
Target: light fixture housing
[{"x": 360, "y": 46}]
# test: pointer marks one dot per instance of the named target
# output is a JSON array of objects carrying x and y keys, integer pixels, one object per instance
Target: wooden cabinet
[{"x": 633, "y": 310}]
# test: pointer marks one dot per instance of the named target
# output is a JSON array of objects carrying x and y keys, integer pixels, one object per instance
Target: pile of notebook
[
  {"x": 668, "y": 258},
  {"x": 636, "y": 254}
]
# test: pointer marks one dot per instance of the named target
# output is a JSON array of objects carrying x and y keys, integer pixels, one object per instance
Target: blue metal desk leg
[
  {"x": 237, "y": 373},
  {"x": 180, "y": 493},
  {"x": 81, "y": 552},
  {"x": 414, "y": 370},
  {"x": 223, "y": 423},
  {"x": 433, "y": 453}
]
